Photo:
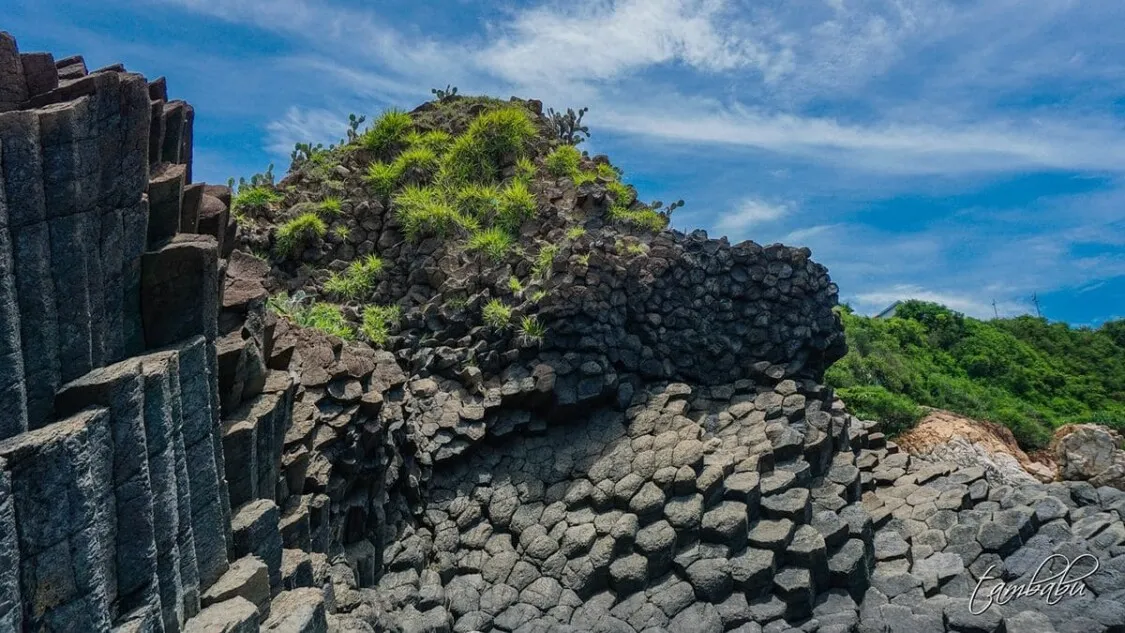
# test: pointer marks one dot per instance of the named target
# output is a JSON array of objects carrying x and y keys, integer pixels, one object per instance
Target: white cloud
[
  {"x": 305, "y": 126},
  {"x": 750, "y": 213}
]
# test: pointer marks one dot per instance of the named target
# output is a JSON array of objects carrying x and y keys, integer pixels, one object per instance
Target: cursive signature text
[{"x": 1052, "y": 588}]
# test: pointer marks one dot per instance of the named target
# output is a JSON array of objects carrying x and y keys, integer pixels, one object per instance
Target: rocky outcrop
[
  {"x": 174, "y": 457},
  {"x": 1090, "y": 452}
]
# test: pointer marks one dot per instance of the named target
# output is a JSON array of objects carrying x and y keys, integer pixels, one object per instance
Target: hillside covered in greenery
[{"x": 1024, "y": 372}]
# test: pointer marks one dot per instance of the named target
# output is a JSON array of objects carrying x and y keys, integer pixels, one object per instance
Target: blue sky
[{"x": 962, "y": 151}]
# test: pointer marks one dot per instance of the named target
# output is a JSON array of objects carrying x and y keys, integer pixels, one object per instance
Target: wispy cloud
[
  {"x": 750, "y": 213},
  {"x": 876, "y": 300},
  {"x": 304, "y": 126}
]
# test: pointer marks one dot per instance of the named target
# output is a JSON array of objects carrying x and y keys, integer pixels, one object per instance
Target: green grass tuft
[
  {"x": 525, "y": 168},
  {"x": 541, "y": 269},
  {"x": 435, "y": 141},
  {"x": 330, "y": 206},
  {"x": 514, "y": 285},
  {"x": 495, "y": 243},
  {"x": 517, "y": 204},
  {"x": 424, "y": 212},
  {"x": 254, "y": 199},
  {"x": 478, "y": 201},
  {"x": 377, "y": 323},
  {"x": 563, "y": 161},
  {"x": 538, "y": 295},
  {"x": 342, "y": 232},
  {"x": 584, "y": 177},
  {"x": 388, "y": 134},
  {"x": 496, "y": 314},
  {"x": 324, "y": 317},
  {"x": 299, "y": 231},
  {"x": 492, "y": 139},
  {"x": 575, "y": 232},
  {"x": 531, "y": 328},
  {"x": 383, "y": 177},
  {"x": 357, "y": 280},
  {"x": 642, "y": 218}
]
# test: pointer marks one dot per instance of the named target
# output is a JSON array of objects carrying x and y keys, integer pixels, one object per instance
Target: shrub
[
  {"x": 357, "y": 280},
  {"x": 377, "y": 323},
  {"x": 423, "y": 212},
  {"x": 495, "y": 243},
  {"x": 254, "y": 199},
  {"x": 299, "y": 232},
  {"x": 516, "y": 205},
  {"x": 436, "y": 141},
  {"x": 496, "y": 314},
  {"x": 478, "y": 201},
  {"x": 896, "y": 412},
  {"x": 531, "y": 328},
  {"x": 388, "y": 134},
  {"x": 541, "y": 269},
  {"x": 563, "y": 161},
  {"x": 330, "y": 206},
  {"x": 514, "y": 285},
  {"x": 575, "y": 232}
]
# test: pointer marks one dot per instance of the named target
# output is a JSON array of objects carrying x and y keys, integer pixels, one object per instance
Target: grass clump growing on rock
[
  {"x": 357, "y": 280},
  {"x": 541, "y": 269},
  {"x": 496, "y": 314},
  {"x": 478, "y": 201},
  {"x": 377, "y": 323},
  {"x": 525, "y": 168},
  {"x": 330, "y": 206},
  {"x": 516, "y": 204},
  {"x": 389, "y": 132},
  {"x": 514, "y": 285},
  {"x": 493, "y": 138},
  {"x": 416, "y": 164},
  {"x": 531, "y": 328},
  {"x": 495, "y": 243},
  {"x": 424, "y": 212},
  {"x": 324, "y": 317},
  {"x": 575, "y": 232},
  {"x": 563, "y": 161},
  {"x": 436, "y": 141},
  {"x": 254, "y": 199},
  {"x": 299, "y": 232}
]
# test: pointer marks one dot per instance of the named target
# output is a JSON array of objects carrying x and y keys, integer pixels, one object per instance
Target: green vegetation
[
  {"x": 357, "y": 280},
  {"x": 325, "y": 317},
  {"x": 514, "y": 285},
  {"x": 531, "y": 328},
  {"x": 377, "y": 323},
  {"x": 575, "y": 232},
  {"x": 299, "y": 232},
  {"x": 495, "y": 243},
  {"x": 1025, "y": 373},
  {"x": 538, "y": 296},
  {"x": 416, "y": 164},
  {"x": 541, "y": 269},
  {"x": 496, "y": 314},
  {"x": 388, "y": 134},
  {"x": 424, "y": 212},
  {"x": 254, "y": 199},
  {"x": 478, "y": 201},
  {"x": 330, "y": 206},
  {"x": 525, "y": 168},
  {"x": 516, "y": 204},
  {"x": 342, "y": 232},
  {"x": 435, "y": 141},
  {"x": 492, "y": 138},
  {"x": 563, "y": 161},
  {"x": 629, "y": 248}
]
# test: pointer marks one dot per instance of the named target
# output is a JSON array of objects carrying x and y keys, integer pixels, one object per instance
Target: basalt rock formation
[{"x": 184, "y": 449}]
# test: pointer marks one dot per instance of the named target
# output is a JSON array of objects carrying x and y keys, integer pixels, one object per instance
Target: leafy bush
[
  {"x": 544, "y": 262},
  {"x": 531, "y": 328},
  {"x": 1024, "y": 373},
  {"x": 516, "y": 205},
  {"x": 495, "y": 243},
  {"x": 357, "y": 280},
  {"x": 299, "y": 231},
  {"x": 896, "y": 412},
  {"x": 424, "y": 212},
  {"x": 388, "y": 134},
  {"x": 563, "y": 161},
  {"x": 377, "y": 323},
  {"x": 496, "y": 314}
]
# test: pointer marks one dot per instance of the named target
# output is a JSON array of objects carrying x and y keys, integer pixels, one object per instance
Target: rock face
[
  {"x": 1090, "y": 452},
  {"x": 173, "y": 457}
]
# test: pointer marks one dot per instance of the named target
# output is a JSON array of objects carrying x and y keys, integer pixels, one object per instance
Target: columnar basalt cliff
[{"x": 183, "y": 448}]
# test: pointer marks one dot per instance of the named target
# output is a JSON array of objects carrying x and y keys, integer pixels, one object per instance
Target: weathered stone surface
[{"x": 237, "y": 615}]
